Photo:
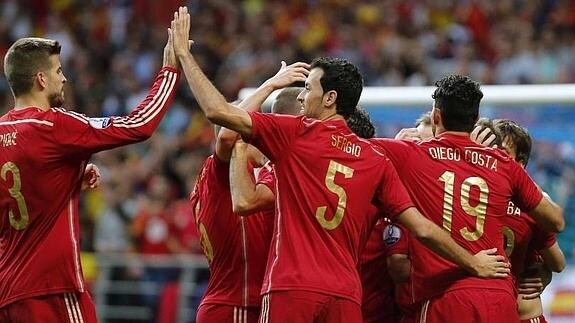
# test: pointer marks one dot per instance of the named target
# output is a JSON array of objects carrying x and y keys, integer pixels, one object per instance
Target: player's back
[
  {"x": 38, "y": 221},
  {"x": 327, "y": 178},
  {"x": 523, "y": 239},
  {"x": 236, "y": 247},
  {"x": 464, "y": 188}
]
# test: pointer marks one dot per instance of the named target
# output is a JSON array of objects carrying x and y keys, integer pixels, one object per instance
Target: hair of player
[
  {"x": 519, "y": 136},
  {"x": 424, "y": 119},
  {"x": 488, "y": 123},
  {"x": 286, "y": 101},
  {"x": 24, "y": 59},
  {"x": 360, "y": 123},
  {"x": 344, "y": 78},
  {"x": 457, "y": 97}
]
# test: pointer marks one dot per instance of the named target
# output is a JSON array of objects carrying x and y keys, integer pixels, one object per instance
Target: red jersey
[
  {"x": 464, "y": 188},
  {"x": 42, "y": 160},
  {"x": 397, "y": 241},
  {"x": 523, "y": 238},
  {"x": 236, "y": 247},
  {"x": 327, "y": 179},
  {"x": 377, "y": 303}
]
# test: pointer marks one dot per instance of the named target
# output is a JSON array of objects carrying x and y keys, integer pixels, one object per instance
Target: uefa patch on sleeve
[
  {"x": 391, "y": 235},
  {"x": 99, "y": 123}
]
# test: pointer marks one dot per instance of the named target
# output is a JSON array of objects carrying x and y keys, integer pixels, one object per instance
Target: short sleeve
[
  {"x": 267, "y": 177},
  {"x": 526, "y": 194},
  {"x": 542, "y": 239},
  {"x": 273, "y": 133},
  {"x": 392, "y": 198},
  {"x": 396, "y": 150},
  {"x": 396, "y": 239}
]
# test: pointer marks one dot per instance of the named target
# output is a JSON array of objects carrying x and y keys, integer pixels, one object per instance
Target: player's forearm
[
  {"x": 211, "y": 101},
  {"x": 226, "y": 137},
  {"x": 242, "y": 187},
  {"x": 553, "y": 258},
  {"x": 145, "y": 118},
  {"x": 549, "y": 215},
  {"x": 441, "y": 243}
]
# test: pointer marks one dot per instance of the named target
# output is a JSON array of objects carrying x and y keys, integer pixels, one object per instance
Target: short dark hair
[
  {"x": 342, "y": 77},
  {"x": 25, "y": 58},
  {"x": 488, "y": 123},
  {"x": 360, "y": 123},
  {"x": 519, "y": 136},
  {"x": 424, "y": 119},
  {"x": 286, "y": 102},
  {"x": 457, "y": 97}
]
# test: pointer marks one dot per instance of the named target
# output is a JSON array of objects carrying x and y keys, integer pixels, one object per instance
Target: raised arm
[
  {"x": 284, "y": 77},
  {"x": 211, "y": 101},
  {"x": 247, "y": 197},
  {"x": 483, "y": 264}
]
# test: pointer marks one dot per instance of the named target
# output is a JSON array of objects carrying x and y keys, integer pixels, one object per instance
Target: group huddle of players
[{"x": 304, "y": 216}]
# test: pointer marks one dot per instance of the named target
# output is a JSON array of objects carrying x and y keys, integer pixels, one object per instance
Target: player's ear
[
  {"x": 435, "y": 115},
  {"x": 41, "y": 79},
  {"x": 329, "y": 98}
]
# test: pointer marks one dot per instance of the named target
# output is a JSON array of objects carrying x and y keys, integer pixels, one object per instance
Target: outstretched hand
[
  {"x": 169, "y": 54},
  {"x": 288, "y": 74},
  {"x": 491, "y": 265},
  {"x": 180, "y": 27}
]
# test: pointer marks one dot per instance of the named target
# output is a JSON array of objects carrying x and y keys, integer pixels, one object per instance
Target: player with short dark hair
[
  {"x": 465, "y": 188},
  {"x": 43, "y": 161},
  {"x": 327, "y": 178}
]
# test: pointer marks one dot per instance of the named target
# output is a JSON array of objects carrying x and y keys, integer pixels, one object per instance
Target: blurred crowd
[{"x": 112, "y": 51}]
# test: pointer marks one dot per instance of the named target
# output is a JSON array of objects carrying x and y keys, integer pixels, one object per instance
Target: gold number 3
[
  {"x": 334, "y": 168},
  {"x": 18, "y": 224},
  {"x": 479, "y": 211}
]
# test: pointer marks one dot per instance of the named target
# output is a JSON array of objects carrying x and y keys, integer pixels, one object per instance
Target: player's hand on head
[
  {"x": 489, "y": 264},
  {"x": 408, "y": 134},
  {"x": 288, "y": 74},
  {"x": 180, "y": 26},
  {"x": 91, "y": 178},
  {"x": 483, "y": 136},
  {"x": 530, "y": 287}
]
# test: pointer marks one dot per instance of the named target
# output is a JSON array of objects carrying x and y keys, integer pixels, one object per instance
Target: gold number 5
[
  {"x": 18, "y": 224},
  {"x": 334, "y": 168}
]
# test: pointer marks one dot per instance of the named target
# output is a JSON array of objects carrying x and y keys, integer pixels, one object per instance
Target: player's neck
[
  {"x": 31, "y": 100},
  {"x": 455, "y": 133},
  {"x": 333, "y": 117}
]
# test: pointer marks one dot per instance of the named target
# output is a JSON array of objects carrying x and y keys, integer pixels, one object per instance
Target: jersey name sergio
[
  {"x": 471, "y": 156},
  {"x": 345, "y": 145}
]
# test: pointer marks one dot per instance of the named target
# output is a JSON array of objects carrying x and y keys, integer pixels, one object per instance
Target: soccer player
[
  {"x": 465, "y": 188},
  {"x": 327, "y": 179},
  {"x": 42, "y": 162},
  {"x": 524, "y": 239},
  {"x": 236, "y": 247},
  {"x": 249, "y": 195}
]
